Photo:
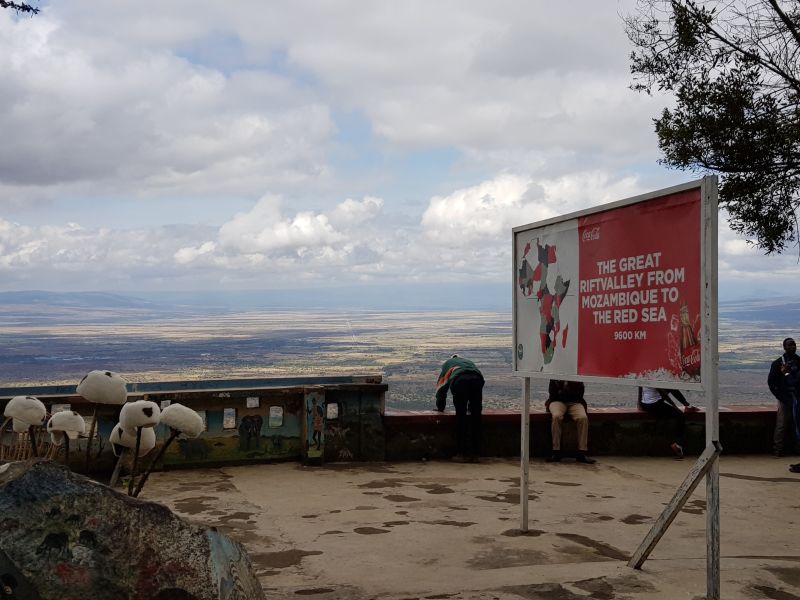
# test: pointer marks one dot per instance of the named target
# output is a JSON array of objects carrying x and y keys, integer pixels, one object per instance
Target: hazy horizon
[{"x": 444, "y": 296}]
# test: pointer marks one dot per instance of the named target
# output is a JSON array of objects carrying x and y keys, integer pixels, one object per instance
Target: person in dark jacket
[
  {"x": 657, "y": 402},
  {"x": 465, "y": 381},
  {"x": 566, "y": 398},
  {"x": 784, "y": 383}
]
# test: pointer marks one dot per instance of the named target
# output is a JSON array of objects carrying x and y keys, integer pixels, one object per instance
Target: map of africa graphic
[{"x": 533, "y": 283}]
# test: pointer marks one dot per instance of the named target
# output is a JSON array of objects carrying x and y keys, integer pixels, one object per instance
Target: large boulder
[{"x": 64, "y": 536}]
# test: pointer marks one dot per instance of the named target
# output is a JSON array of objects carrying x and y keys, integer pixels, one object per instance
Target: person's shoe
[
  {"x": 795, "y": 468},
  {"x": 677, "y": 449},
  {"x": 582, "y": 458},
  {"x": 554, "y": 457},
  {"x": 777, "y": 453},
  {"x": 459, "y": 458}
]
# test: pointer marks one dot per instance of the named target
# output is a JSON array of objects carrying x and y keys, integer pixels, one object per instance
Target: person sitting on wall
[
  {"x": 784, "y": 383},
  {"x": 657, "y": 402},
  {"x": 465, "y": 381},
  {"x": 566, "y": 398}
]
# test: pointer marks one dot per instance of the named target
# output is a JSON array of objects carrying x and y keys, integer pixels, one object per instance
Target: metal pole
[
  {"x": 712, "y": 533},
  {"x": 524, "y": 453},
  {"x": 710, "y": 378}
]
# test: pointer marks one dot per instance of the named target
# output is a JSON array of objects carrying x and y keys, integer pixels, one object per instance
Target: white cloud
[
  {"x": 744, "y": 265},
  {"x": 125, "y": 97},
  {"x": 264, "y": 230},
  {"x": 191, "y": 253},
  {"x": 489, "y": 210},
  {"x": 480, "y": 212},
  {"x": 552, "y": 77},
  {"x": 463, "y": 236},
  {"x": 352, "y": 213},
  {"x": 114, "y": 117}
]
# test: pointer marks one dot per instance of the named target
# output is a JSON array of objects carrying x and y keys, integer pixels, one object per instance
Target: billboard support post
[
  {"x": 710, "y": 378},
  {"x": 525, "y": 446}
]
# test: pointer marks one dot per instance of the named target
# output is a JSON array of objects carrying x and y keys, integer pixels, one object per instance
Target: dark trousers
[
  {"x": 468, "y": 401},
  {"x": 796, "y": 415},
  {"x": 787, "y": 427},
  {"x": 665, "y": 410}
]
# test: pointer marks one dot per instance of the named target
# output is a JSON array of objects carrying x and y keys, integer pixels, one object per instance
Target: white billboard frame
[{"x": 707, "y": 464}]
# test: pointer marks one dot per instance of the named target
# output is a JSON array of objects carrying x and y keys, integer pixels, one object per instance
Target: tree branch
[
  {"x": 19, "y": 7},
  {"x": 755, "y": 56},
  {"x": 786, "y": 20}
]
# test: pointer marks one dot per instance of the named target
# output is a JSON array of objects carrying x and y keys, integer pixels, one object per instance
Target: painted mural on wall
[
  {"x": 315, "y": 423},
  {"x": 265, "y": 432},
  {"x": 250, "y": 432}
]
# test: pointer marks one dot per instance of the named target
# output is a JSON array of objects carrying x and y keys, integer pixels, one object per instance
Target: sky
[{"x": 317, "y": 144}]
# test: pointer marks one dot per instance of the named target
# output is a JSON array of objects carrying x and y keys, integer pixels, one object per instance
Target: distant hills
[
  {"x": 778, "y": 312},
  {"x": 37, "y": 298},
  {"x": 444, "y": 296}
]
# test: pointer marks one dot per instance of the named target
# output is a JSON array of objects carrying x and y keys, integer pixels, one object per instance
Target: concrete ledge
[
  {"x": 600, "y": 413},
  {"x": 612, "y": 431}
]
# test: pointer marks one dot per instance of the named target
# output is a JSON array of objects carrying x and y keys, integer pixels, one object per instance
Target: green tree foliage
[
  {"x": 22, "y": 7},
  {"x": 734, "y": 69}
]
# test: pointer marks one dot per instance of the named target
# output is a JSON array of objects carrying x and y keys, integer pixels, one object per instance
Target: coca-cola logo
[
  {"x": 591, "y": 235},
  {"x": 691, "y": 358}
]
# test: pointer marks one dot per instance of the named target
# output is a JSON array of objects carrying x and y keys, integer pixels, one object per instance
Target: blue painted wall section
[{"x": 259, "y": 421}]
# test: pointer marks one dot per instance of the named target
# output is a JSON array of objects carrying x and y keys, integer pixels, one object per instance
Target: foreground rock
[{"x": 65, "y": 536}]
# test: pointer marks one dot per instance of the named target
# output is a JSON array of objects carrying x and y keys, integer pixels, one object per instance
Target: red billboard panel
[{"x": 639, "y": 293}]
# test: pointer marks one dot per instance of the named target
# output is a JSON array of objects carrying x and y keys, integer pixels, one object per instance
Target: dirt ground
[{"x": 452, "y": 531}]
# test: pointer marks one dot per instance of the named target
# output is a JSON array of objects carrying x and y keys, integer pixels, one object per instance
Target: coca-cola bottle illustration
[{"x": 690, "y": 347}]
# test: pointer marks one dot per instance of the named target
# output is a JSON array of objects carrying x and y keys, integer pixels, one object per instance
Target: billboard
[{"x": 615, "y": 292}]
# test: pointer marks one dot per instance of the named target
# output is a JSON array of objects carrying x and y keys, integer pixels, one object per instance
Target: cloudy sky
[{"x": 249, "y": 145}]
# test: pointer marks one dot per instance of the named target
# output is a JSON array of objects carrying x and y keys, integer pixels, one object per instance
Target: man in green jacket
[{"x": 465, "y": 381}]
